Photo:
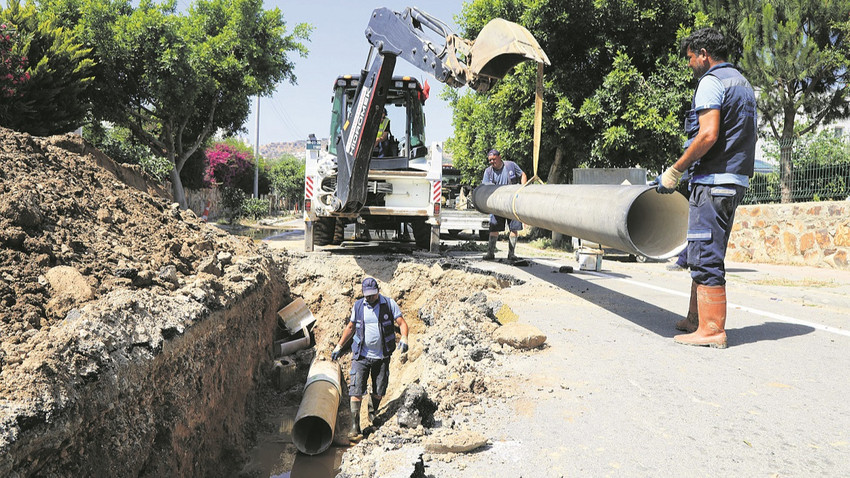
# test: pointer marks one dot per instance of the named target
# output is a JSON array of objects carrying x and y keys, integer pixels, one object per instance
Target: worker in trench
[
  {"x": 501, "y": 173},
  {"x": 720, "y": 151},
  {"x": 372, "y": 326}
]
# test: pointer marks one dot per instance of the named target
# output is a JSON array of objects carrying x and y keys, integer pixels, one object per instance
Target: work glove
[
  {"x": 335, "y": 354},
  {"x": 666, "y": 182},
  {"x": 402, "y": 345}
]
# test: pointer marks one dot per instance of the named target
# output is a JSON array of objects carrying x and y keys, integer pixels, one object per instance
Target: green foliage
[
  {"x": 795, "y": 54},
  {"x": 582, "y": 39},
  {"x": 821, "y": 168},
  {"x": 54, "y": 99},
  {"x": 255, "y": 208},
  {"x": 173, "y": 78},
  {"x": 233, "y": 203},
  {"x": 156, "y": 166},
  {"x": 287, "y": 178},
  {"x": 119, "y": 144},
  {"x": 636, "y": 119}
]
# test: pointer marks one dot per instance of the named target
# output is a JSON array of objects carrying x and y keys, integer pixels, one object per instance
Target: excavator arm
[{"x": 499, "y": 47}]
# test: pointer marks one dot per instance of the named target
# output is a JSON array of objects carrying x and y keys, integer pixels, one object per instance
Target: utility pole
[{"x": 257, "y": 154}]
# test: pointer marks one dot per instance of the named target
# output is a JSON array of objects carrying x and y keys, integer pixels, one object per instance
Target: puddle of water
[{"x": 267, "y": 234}]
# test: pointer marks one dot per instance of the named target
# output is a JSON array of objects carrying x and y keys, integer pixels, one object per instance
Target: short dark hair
[{"x": 708, "y": 38}]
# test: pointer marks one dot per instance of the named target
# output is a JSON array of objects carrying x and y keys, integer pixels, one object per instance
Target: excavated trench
[
  {"x": 137, "y": 341},
  {"x": 445, "y": 304}
]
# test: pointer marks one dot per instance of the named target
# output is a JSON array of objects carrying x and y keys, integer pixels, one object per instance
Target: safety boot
[
  {"x": 711, "y": 304},
  {"x": 491, "y": 249},
  {"x": 355, "y": 434},
  {"x": 690, "y": 323},
  {"x": 374, "y": 403},
  {"x": 512, "y": 247}
]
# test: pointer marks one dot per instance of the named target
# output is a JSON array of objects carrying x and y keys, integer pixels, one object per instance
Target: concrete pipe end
[
  {"x": 312, "y": 435},
  {"x": 658, "y": 223}
]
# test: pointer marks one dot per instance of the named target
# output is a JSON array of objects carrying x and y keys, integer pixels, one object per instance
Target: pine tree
[{"x": 795, "y": 54}]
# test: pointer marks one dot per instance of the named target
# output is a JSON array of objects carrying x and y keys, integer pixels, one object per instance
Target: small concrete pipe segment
[
  {"x": 313, "y": 431},
  {"x": 634, "y": 219}
]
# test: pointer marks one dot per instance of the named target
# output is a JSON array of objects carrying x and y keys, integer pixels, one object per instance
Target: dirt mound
[{"x": 73, "y": 232}]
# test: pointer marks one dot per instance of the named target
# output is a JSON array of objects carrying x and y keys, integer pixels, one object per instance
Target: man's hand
[
  {"x": 335, "y": 353},
  {"x": 402, "y": 345},
  {"x": 666, "y": 183}
]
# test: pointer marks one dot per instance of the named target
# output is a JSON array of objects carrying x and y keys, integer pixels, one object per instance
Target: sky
[{"x": 338, "y": 46}]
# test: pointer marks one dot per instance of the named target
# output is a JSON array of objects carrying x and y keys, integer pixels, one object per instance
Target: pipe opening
[
  {"x": 648, "y": 224},
  {"x": 312, "y": 435}
]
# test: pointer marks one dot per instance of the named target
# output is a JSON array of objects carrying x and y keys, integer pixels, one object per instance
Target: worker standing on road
[
  {"x": 501, "y": 172},
  {"x": 721, "y": 127},
  {"x": 372, "y": 322}
]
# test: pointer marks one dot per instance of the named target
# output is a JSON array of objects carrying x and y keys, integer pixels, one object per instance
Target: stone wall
[{"x": 813, "y": 234}]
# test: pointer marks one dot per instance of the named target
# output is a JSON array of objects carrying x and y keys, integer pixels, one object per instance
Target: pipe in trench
[
  {"x": 634, "y": 219},
  {"x": 313, "y": 430}
]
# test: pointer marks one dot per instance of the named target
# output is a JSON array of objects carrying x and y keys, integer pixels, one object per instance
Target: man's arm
[
  {"x": 484, "y": 180},
  {"x": 524, "y": 178},
  {"x": 709, "y": 129},
  {"x": 402, "y": 327},
  {"x": 347, "y": 332}
]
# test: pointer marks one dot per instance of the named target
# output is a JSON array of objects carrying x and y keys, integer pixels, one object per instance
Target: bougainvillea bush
[{"x": 226, "y": 165}]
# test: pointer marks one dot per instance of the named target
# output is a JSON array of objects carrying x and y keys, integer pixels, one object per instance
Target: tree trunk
[
  {"x": 786, "y": 174},
  {"x": 177, "y": 189},
  {"x": 554, "y": 176}
]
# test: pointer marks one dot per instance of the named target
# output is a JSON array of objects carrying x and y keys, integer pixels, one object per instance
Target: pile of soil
[{"x": 74, "y": 228}]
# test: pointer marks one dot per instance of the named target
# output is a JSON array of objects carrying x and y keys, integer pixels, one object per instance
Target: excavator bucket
[
  {"x": 500, "y": 46},
  {"x": 296, "y": 316}
]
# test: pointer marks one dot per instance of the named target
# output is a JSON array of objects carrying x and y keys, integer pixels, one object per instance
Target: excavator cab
[{"x": 406, "y": 120}]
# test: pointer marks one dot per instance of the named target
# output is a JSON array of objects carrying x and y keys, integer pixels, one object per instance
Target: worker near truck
[
  {"x": 502, "y": 172},
  {"x": 372, "y": 326},
  {"x": 721, "y": 128}
]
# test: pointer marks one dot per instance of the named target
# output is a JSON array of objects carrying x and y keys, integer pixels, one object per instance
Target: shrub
[
  {"x": 256, "y": 208},
  {"x": 232, "y": 203}
]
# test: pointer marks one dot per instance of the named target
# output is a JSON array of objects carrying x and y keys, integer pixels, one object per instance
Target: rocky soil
[{"x": 81, "y": 233}]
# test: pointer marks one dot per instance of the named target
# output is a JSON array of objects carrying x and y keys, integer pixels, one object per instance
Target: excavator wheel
[
  {"x": 422, "y": 234},
  {"x": 323, "y": 231},
  {"x": 339, "y": 232}
]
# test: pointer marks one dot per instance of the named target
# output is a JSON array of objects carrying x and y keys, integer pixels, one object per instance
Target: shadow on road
[
  {"x": 766, "y": 331},
  {"x": 653, "y": 318}
]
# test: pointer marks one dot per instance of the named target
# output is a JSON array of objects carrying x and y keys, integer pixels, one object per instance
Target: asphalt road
[{"x": 613, "y": 395}]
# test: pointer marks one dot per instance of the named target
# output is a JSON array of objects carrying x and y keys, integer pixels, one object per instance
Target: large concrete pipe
[
  {"x": 634, "y": 219},
  {"x": 313, "y": 430}
]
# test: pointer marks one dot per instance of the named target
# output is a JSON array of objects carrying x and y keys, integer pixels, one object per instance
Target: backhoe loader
[{"x": 347, "y": 184}]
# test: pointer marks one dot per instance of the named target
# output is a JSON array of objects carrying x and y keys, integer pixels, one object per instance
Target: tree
[
  {"x": 287, "y": 178},
  {"x": 636, "y": 118},
  {"x": 50, "y": 78},
  {"x": 795, "y": 54},
  {"x": 582, "y": 39},
  {"x": 174, "y": 78}
]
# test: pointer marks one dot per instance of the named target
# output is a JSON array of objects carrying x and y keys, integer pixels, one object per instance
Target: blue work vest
[
  {"x": 735, "y": 149},
  {"x": 386, "y": 326}
]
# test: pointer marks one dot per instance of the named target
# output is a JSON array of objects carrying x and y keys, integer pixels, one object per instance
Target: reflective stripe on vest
[{"x": 386, "y": 327}]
